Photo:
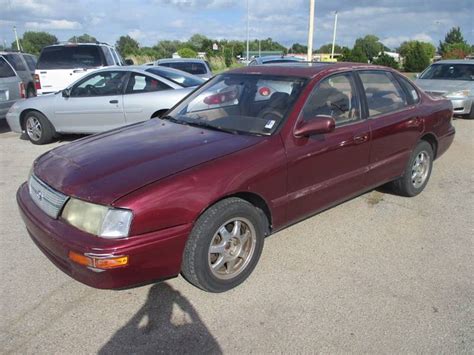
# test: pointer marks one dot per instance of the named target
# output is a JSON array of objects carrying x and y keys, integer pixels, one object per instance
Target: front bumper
[
  {"x": 152, "y": 256},
  {"x": 461, "y": 106},
  {"x": 13, "y": 120}
]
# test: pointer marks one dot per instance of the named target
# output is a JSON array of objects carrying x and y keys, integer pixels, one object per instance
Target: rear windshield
[
  {"x": 177, "y": 77},
  {"x": 70, "y": 57},
  {"x": 195, "y": 68},
  {"x": 5, "y": 70},
  {"x": 449, "y": 72}
]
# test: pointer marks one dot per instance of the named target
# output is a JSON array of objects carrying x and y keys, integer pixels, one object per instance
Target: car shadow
[
  {"x": 4, "y": 127},
  {"x": 159, "y": 328}
]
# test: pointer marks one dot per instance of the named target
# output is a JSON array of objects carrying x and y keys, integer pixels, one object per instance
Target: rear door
[
  {"x": 95, "y": 104},
  {"x": 9, "y": 87},
  {"x": 59, "y": 66},
  {"x": 395, "y": 124}
]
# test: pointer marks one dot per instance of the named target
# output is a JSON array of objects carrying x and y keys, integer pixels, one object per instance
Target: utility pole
[
  {"x": 248, "y": 31},
  {"x": 334, "y": 36},
  {"x": 17, "y": 41},
  {"x": 310, "y": 30}
]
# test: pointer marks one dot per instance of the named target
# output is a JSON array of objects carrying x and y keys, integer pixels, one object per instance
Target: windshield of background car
[
  {"x": 189, "y": 67},
  {"x": 240, "y": 103},
  {"x": 449, "y": 72},
  {"x": 177, "y": 77},
  {"x": 70, "y": 57}
]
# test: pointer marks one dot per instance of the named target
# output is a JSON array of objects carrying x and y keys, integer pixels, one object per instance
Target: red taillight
[
  {"x": 37, "y": 82},
  {"x": 22, "y": 91}
]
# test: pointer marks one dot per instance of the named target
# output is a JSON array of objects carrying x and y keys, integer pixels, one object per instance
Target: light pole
[
  {"x": 248, "y": 33},
  {"x": 310, "y": 30},
  {"x": 16, "y": 38},
  {"x": 334, "y": 36}
]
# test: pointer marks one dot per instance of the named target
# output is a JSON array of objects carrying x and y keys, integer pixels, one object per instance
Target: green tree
[
  {"x": 355, "y": 55},
  {"x": 386, "y": 60},
  {"x": 416, "y": 59},
  {"x": 298, "y": 48},
  {"x": 33, "y": 42},
  {"x": 327, "y": 48},
  {"x": 198, "y": 42},
  {"x": 228, "y": 56},
  {"x": 165, "y": 49},
  {"x": 187, "y": 53},
  {"x": 408, "y": 46},
  {"x": 456, "y": 51},
  {"x": 84, "y": 38},
  {"x": 454, "y": 36},
  {"x": 369, "y": 45},
  {"x": 127, "y": 46}
]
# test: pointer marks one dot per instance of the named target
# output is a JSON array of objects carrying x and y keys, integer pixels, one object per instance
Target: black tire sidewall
[
  {"x": 203, "y": 232},
  {"x": 46, "y": 128},
  {"x": 407, "y": 185}
]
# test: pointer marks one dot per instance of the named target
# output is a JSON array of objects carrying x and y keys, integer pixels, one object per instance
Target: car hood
[
  {"x": 107, "y": 166},
  {"x": 444, "y": 86}
]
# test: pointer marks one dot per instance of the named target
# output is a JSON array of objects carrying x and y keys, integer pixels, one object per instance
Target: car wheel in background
[
  {"x": 224, "y": 245},
  {"x": 418, "y": 171},
  {"x": 38, "y": 128}
]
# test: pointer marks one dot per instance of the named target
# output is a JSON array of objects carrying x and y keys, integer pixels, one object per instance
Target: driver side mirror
[
  {"x": 316, "y": 125},
  {"x": 66, "y": 92}
]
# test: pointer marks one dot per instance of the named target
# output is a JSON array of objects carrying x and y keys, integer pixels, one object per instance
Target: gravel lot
[{"x": 377, "y": 274}]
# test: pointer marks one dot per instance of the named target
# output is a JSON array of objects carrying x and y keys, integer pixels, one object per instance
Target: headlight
[
  {"x": 460, "y": 93},
  {"x": 99, "y": 220}
]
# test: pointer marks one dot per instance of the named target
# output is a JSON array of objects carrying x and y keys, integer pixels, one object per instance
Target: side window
[
  {"x": 335, "y": 96},
  {"x": 383, "y": 92},
  {"x": 100, "y": 84},
  {"x": 108, "y": 57},
  {"x": 410, "y": 89},
  {"x": 139, "y": 83},
  {"x": 15, "y": 61},
  {"x": 6, "y": 70},
  {"x": 30, "y": 61}
]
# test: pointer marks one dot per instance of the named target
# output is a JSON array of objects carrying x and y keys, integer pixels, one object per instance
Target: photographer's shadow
[{"x": 157, "y": 328}]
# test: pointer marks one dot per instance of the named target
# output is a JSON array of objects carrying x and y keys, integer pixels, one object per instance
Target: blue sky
[{"x": 286, "y": 21}]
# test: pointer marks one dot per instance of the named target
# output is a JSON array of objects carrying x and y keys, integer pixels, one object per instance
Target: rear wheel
[
  {"x": 418, "y": 171},
  {"x": 224, "y": 245},
  {"x": 38, "y": 128}
]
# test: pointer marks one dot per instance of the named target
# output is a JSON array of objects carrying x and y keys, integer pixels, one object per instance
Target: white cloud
[
  {"x": 53, "y": 25},
  {"x": 177, "y": 23}
]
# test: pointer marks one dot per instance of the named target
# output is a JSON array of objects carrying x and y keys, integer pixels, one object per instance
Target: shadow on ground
[
  {"x": 166, "y": 323},
  {"x": 4, "y": 128}
]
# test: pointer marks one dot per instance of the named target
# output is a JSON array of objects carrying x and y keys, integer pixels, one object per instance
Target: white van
[{"x": 61, "y": 64}]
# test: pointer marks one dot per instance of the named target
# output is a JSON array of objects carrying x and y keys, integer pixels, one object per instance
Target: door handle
[
  {"x": 113, "y": 101},
  {"x": 361, "y": 139}
]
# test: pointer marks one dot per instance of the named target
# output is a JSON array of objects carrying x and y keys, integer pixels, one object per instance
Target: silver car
[
  {"x": 453, "y": 79},
  {"x": 11, "y": 87},
  {"x": 198, "y": 67},
  {"x": 103, "y": 100}
]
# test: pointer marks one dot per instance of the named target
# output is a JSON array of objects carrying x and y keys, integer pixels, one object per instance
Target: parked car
[
  {"x": 198, "y": 67},
  {"x": 453, "y": 79},
  {"x": 11, "y": 87},
  {"x": 274, "y": 59},
  {"x": 102, "y": 100},
  {"x": 61, "y": 64},
  {"x": 24, "y": 65},
  {"x": 197, "y": 191}
]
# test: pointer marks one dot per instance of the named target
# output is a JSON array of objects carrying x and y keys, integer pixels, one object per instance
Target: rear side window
[
  {"x": 108, "y": 56},
  {"x": 6, "y": 70},
  {"x": 189, "y": 67},
  {"x": 15, "y": 61},
  {"x": 384, "y": 94},
  {"x": 138, "y": 84},
  {"x": 30, "y": 61},
  {"x": 413, "y": 96},
  {"x": 70, "y": 57}
]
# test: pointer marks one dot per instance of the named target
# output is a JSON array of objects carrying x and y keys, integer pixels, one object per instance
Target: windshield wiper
[
  {"x": 174, "y": 120},
  {"x": 212, "y": 127}
]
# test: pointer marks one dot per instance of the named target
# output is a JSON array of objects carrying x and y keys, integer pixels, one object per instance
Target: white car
[{"x": 61, "y": 64}]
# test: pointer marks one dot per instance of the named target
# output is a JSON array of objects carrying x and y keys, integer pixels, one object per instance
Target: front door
[
  {"x": 95, "y": 104},
  {"x": 326, "y": 168}
]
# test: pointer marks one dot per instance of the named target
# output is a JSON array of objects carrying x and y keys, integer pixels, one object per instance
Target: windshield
[
  {"x": 240, "y": 103},
  {"x": 176, "y": 76},
  {"x": 449, "y": 72},
  {"x": 195, "y": 68},
  {"x": 70, "y": 57}
]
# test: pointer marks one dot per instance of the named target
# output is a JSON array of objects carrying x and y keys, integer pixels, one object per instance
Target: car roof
[
  {"x": 302, "y": 69},
  {"x": 268, "y": 58},
  {"x": 170, "y": 60},
  {"x": 455, "y": 61},
  {"x": 72, "y": 44}
]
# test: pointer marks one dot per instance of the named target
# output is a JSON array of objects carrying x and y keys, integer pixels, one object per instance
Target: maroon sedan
[{"x": 248, "y": 153}]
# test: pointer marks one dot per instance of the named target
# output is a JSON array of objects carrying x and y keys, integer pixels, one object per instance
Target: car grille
[{"x": 47, "y": 199}]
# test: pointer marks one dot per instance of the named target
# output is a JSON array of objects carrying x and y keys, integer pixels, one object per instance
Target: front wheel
[
  {"x": 418, "y": 171},
  {"x": 224, "y": 245},
  {"x": 38, "y": 128}
]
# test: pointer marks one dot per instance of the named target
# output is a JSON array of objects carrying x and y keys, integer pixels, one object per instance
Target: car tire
[
  {"x": 417, "y": 172},
  {"x": 225, "y": 245},
  {"x": 38, "y": 128},
  {"x": 471, "y": 114}
]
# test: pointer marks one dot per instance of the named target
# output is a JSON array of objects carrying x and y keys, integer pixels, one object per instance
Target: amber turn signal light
[{"x": 99, "y": 262}]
